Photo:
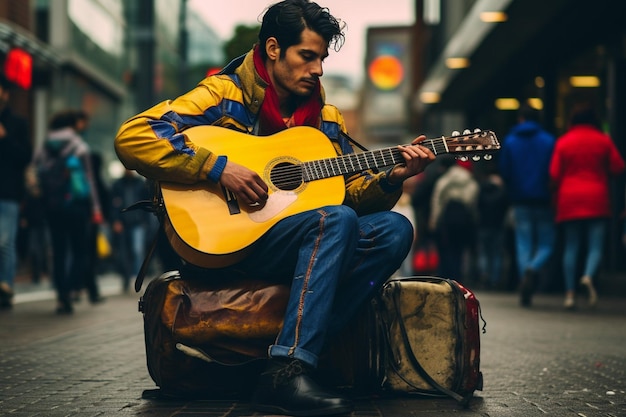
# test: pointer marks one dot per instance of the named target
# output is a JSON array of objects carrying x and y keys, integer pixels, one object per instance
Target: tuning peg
[
  {"x": 488, "y": 157},
  {"x": 477, "y": 130},
  {"x": 455, "y": 133},
  {"x": 467, "y": 132},
  {"x": 476, "y": 158},
  {"x": 463, "y": 158}
]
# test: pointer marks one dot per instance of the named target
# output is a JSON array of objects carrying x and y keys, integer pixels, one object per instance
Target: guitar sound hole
[{"x": 286, "y": 176}]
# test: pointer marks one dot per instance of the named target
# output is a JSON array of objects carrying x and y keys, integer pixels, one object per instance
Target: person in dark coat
[{"x": 15, "y": 154}]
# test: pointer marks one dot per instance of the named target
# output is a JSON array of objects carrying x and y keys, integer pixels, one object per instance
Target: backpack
[
  {"x": 62, "y": 179},
  {"x": 457, "y": 223},
  {"x": 493, "y": 204}
]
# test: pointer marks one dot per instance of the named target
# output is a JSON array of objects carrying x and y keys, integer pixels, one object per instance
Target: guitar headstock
[{"x": 472, "y": 144}]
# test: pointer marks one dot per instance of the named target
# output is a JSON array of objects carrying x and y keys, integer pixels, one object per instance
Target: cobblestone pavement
[{"x": 541, "y": 361}]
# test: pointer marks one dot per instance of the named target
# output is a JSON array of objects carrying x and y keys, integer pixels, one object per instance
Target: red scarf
[{"x": 270, "y": 121}]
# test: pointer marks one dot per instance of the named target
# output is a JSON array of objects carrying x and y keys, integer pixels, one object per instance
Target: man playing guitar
[{"x": 336, "y": 255}]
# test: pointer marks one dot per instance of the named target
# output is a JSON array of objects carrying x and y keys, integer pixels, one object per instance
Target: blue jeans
[
  {"x": 9, "y": 220},
  {"x": 535, "y": 235},
  {"x": 335, "y": 261},
  {"x": 594, "y": 230},
  {"x": 130, "y": 249}
]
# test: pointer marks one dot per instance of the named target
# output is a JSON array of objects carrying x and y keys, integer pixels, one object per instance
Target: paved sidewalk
[
  {"x": 27, "y": 292},
  {"x": 542, "y": 361}
]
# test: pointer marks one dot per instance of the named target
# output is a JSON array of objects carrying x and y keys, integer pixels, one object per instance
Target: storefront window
[
  {"x": 99, "y": 22},
  {"x": 98, "y": 32}
]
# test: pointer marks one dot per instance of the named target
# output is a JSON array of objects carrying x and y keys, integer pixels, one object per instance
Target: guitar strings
[
  {"x": 287, "y": 176},
  {"x": 297, "y": 173}
]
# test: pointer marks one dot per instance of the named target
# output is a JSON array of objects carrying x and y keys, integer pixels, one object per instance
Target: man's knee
[
  {"x": 398, "y": 230},
  {"x": 342, "y": 216}
]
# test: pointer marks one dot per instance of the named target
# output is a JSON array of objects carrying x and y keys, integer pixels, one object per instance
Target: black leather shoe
[
  {"x": 64, "y": 307},
  {"x": 286, "y": 388},
  {"x": 6, "y": 296},
  {"x": 97, "y": 299}
]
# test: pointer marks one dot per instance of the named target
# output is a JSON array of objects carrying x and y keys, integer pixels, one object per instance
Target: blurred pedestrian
[
  {"x": 15, "y": 154},
  {"x": 493, "y": 206},
  {"x": 453, "y": 218},
  {"x": 71, "y": 201},
  {"x": 425, "y": 256},
  {"x": 90, "y": 280},
  {"x": 584, "y": 161},
  {"x": 524, "y": 162},
  {"x": 36, "y": 227},
  {"x": 130, "y": 227}
]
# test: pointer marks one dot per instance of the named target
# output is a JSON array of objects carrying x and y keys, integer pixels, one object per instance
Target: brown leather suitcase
[
  {"x": 209, "y": 338},
  {"x": 206, "y": 338}
]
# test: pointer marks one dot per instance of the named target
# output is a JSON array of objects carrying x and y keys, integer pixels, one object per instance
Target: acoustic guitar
[{"x": 208, "y": 227}]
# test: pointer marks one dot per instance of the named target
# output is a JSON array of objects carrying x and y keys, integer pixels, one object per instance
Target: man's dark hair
[
  {"x": 584, "y": 114},
  {"x": 81, "y": 115},
  {"x": 65, "y": 118},
  {"x": 528, "y": 113},
  {"x": 286, "y": 21}
]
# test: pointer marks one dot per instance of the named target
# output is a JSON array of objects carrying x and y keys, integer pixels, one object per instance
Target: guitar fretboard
[{"x": 375, "y": 159}]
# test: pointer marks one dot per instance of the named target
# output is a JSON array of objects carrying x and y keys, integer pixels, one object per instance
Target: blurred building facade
[
  {"x": 111, "y": 58},
  {"x": 480, "y": 59},
  {"x": 204, "y": 50}
]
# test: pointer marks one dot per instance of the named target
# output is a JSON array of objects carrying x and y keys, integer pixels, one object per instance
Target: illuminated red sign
[{"x": 18, "y": 67}]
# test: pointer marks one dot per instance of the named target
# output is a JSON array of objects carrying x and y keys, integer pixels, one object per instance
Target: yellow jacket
[{"x": 154, "y": 142}]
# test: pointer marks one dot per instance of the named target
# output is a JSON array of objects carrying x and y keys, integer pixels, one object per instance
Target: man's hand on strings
[
  {"x": 246, "y": 184},
  {"x": 416, "y": 159}
]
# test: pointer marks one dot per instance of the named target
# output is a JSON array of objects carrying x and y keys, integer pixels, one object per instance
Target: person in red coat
[{"x": 583, "y": 162}]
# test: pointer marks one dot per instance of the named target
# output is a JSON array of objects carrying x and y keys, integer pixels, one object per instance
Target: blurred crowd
[
  {"x": 59, "y": 220},
  {"x": 534, "y": 217}
]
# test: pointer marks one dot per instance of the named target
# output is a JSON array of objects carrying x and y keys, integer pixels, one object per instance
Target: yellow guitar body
[{"x": 208, "y": 228}]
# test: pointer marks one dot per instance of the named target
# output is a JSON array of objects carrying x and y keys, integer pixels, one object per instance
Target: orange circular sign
[{"x": 386, "y": 72}]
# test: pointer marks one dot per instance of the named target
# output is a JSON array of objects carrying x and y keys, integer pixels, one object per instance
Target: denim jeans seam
[{"x": 305, "y": 283}]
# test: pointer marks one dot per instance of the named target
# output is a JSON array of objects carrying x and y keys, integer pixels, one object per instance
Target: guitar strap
[
  {"x": 232, "y": 65},
  {"x": 345, "y": 136},
  {"x": 146, "y": 261},
  {"x": 154, "y": 206}
]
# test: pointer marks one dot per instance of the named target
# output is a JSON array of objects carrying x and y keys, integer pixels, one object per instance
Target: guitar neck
[{"x": 358, "y": 162}]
